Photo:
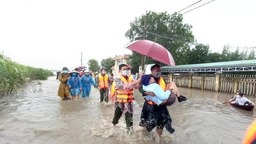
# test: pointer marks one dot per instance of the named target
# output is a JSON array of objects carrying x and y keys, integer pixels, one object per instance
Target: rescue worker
[
  {"x": 153, "y": 115},
  {"x": 103, "y": 82},
  {"x": 122, "y": 91},
  {"x": 63, "y": 91}
]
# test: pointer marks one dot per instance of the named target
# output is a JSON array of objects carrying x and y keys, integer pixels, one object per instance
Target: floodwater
[{"x": 36, "y": 115}]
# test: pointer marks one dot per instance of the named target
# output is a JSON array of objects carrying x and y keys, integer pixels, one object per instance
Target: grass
[{"x": 13, "y": 75}]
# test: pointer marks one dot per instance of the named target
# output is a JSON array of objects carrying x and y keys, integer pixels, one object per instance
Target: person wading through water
[
  {"x": 103, "y": 82},
  {"x": 122, "y": 92},
  {"x": 63, "y": 91},
  {"x": 87, "y": 81},
  {"x": 153, "y": 115}
]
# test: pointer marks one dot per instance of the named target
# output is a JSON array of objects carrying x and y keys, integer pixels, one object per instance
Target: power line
[
  {"x": 198, "y": 7},
  {"x": 189, "y": 6},
  {"x": 175, "y": 38},
  {"x": 161, "y": 36}
]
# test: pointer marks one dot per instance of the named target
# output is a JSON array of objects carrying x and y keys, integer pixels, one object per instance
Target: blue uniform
[
  {"x": 86, "y": 82},
  {"x": 74, "y": 84}
]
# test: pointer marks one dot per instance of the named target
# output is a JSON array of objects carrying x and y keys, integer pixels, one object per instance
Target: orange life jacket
[
  {"x": 250, "y": 136},
  {"x": 162, "y": 84},
  {"x": 124, "y": 96},
  {"x": 103, "y": 81}
]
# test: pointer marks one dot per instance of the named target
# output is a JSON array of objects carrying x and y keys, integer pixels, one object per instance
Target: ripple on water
[{"x": 36, "y": 115}]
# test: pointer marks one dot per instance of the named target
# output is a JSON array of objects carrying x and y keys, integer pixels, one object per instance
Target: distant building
[{"x": 121, "y": 59}]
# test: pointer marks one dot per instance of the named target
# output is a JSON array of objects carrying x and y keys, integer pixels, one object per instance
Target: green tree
[
  {"x": 251, "y": 55},
  {"x": 243, "y": 55},
  {"x": 237, "y": 55},
  {"x": 199, "y": 54},
  {"x": 108, "y": 63},
  {"x": 214, "y": 57},
  {"x": 225, "y": 53},
  {"x": 93, "y": 65},
  {"x": 165, "y": 29},
  {"x": 228, "y": 55}
]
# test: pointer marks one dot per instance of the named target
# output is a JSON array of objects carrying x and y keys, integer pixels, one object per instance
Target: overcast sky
[{"x": 53, "y": 33}]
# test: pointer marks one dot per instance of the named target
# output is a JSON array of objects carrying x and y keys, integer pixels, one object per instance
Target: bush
[{"x": 13, "y": 75}]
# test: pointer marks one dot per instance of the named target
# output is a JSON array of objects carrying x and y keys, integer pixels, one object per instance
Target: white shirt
[
  {"x": 241, "y": 100},
  {"x": 161, "y": 95}
]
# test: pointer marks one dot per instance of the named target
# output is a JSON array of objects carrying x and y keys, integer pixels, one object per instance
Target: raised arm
[
  {"x": 233, "y": 98},
  {"x": 135, "y": 82}
]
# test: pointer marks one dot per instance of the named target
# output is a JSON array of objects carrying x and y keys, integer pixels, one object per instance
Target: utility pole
[{"x": 81, "y": 59}]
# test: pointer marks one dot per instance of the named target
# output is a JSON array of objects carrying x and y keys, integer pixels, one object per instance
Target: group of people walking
[
  {"x": 73, "y": 84},
  {"x": 157, "y": 94}
]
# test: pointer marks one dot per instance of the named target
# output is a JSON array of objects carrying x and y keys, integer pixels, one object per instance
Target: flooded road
[{"x": 35, "y": 114}]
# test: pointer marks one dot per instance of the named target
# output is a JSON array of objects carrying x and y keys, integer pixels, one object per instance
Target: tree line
[{"x": 176, "y": 36}]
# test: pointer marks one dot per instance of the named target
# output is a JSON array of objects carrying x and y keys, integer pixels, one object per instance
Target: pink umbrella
[
  {"x": 81, "y": 68},
  {"x": 153, "y": 50}
]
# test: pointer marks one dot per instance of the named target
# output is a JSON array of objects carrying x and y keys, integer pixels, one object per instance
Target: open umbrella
[
  {"x": 81, "y": 68},
  {"x": 153, "y": 50}
]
